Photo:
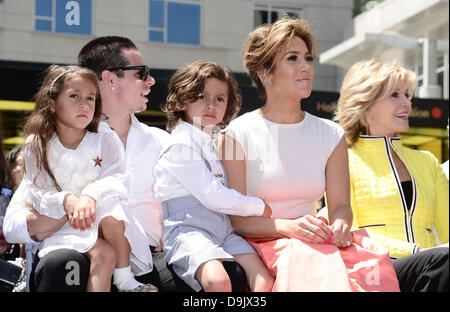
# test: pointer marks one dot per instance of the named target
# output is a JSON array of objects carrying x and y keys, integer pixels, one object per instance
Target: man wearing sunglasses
[{"x": 125, "y": 83}]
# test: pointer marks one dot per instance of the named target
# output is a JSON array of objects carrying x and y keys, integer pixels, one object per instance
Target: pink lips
[
  {"x": 403, "y": 115},
  {"x": 210, "y": 116}
]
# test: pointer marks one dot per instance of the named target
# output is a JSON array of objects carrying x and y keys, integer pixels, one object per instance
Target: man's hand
[{"x": 41, "y": 227}]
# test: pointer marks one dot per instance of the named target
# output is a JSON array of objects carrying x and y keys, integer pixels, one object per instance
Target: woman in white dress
[{"x": 290, "y": 158}]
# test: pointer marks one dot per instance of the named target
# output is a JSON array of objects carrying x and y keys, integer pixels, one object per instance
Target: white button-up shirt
[
  {"x": 182, "y": 171},
  {"x": 144, "y": 145}
]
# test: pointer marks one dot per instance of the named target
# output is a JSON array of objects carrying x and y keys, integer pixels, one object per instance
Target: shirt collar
[
  {"x": 193, "y": 133},
  {"x": 378, "y": 141},
  {"x": 363, "y": 136},
  {"x": 135, "y": 122}
]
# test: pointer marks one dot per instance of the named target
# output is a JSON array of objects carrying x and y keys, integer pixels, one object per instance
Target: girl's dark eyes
[
  {"x": 202, "y": 97},
  {"x": 309, "y": 59},
  {"x": 292, "y": 58},
  {"x": 220, "y": 99}
]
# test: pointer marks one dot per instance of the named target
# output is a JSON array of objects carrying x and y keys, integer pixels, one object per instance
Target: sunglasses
[{"x": 143, "y": 72}]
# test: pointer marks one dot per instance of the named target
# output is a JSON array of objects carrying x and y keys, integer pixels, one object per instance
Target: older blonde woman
[
  {"x": 397, "y": 194},
  {"x": 290, "y": 158}
]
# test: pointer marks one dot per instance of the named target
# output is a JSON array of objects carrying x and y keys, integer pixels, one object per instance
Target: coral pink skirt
[{"x": 302, "y": 266}]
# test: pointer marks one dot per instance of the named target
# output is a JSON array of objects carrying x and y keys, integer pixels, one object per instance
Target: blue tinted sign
[
  {"x": 74, "y": 17},
  {"x": 64, "y": 16}
]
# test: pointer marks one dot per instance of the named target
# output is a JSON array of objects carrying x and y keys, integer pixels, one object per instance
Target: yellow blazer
[{"x": 378, "y": 201}]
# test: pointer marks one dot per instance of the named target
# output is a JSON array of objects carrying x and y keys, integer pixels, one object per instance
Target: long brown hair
[{"x": 41, "y": 125}]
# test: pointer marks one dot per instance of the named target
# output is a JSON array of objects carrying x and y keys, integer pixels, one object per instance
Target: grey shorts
[{"x": 194, "y": 235}]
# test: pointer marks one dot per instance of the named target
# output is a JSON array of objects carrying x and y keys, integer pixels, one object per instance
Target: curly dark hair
[{"x": 188, "y": 83}]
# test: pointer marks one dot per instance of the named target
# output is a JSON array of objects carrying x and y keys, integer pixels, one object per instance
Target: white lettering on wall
[{"x": 73, "y": 16}]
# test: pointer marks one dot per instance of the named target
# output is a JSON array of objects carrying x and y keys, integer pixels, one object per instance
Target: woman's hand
[
  {"x": 341, "y": 234},
  {"x": 267, "y": 210},
  {"x": 310, "y": 229},
  {"x": 84, "y": 211}
]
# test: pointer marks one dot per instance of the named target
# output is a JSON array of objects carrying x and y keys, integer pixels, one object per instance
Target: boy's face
[{"x": 208, "y": 110}]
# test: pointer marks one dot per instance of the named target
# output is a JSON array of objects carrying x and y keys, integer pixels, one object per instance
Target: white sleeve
[
  {"x": 195, "y": 177},
  {"x": 113, "y": 182},
  {"x": 44, "y": 196},
  {"x": 15, "y": 223}
]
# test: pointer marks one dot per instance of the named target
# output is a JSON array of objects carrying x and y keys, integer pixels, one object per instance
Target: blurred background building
[
  {"x": 171, "y": 33},
  {"x": 414, "y": 33}
]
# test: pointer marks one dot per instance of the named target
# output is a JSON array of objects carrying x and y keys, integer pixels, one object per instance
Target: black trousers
[
  {"x": 66, "y": 270},
  {"x": 426, "y": 271}
]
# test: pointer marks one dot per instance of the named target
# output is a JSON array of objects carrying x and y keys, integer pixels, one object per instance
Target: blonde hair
[
  {"x": 263, "y": 44},
  {"x": 188, "y": 83},
  {"x": 42, "y": 122},
  {"x": 365, "y": 83}
]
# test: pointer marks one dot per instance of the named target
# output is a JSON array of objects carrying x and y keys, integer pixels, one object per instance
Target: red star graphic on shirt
[{"x": 98, "y": 162}]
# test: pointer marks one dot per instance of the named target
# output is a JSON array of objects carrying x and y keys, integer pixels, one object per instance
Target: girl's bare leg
[
  {"x": 258, "y": 276},
  {"x": 213, "y": 277},
  {"x": 103, "y": 263},
  {"x": 112, "y": 231}
]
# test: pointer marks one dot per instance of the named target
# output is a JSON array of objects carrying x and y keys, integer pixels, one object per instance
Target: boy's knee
[
  {"x": 218, "y": 283},
  {"x": 266, "y": 284}
]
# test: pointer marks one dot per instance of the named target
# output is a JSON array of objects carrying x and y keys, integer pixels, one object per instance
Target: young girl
[
  {"x": 192, "y": 185},
  {"x": 73, "y": 172}
]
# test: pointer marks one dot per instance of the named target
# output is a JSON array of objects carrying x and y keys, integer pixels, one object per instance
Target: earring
[
  {"x": 112, "y": 88},
  {"x": 269, "y": 83}
]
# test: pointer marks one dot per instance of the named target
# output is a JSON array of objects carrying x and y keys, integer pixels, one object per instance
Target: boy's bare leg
[
  {"x": 258, "y": 276},
  {"x": 213, "y": 277}
]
